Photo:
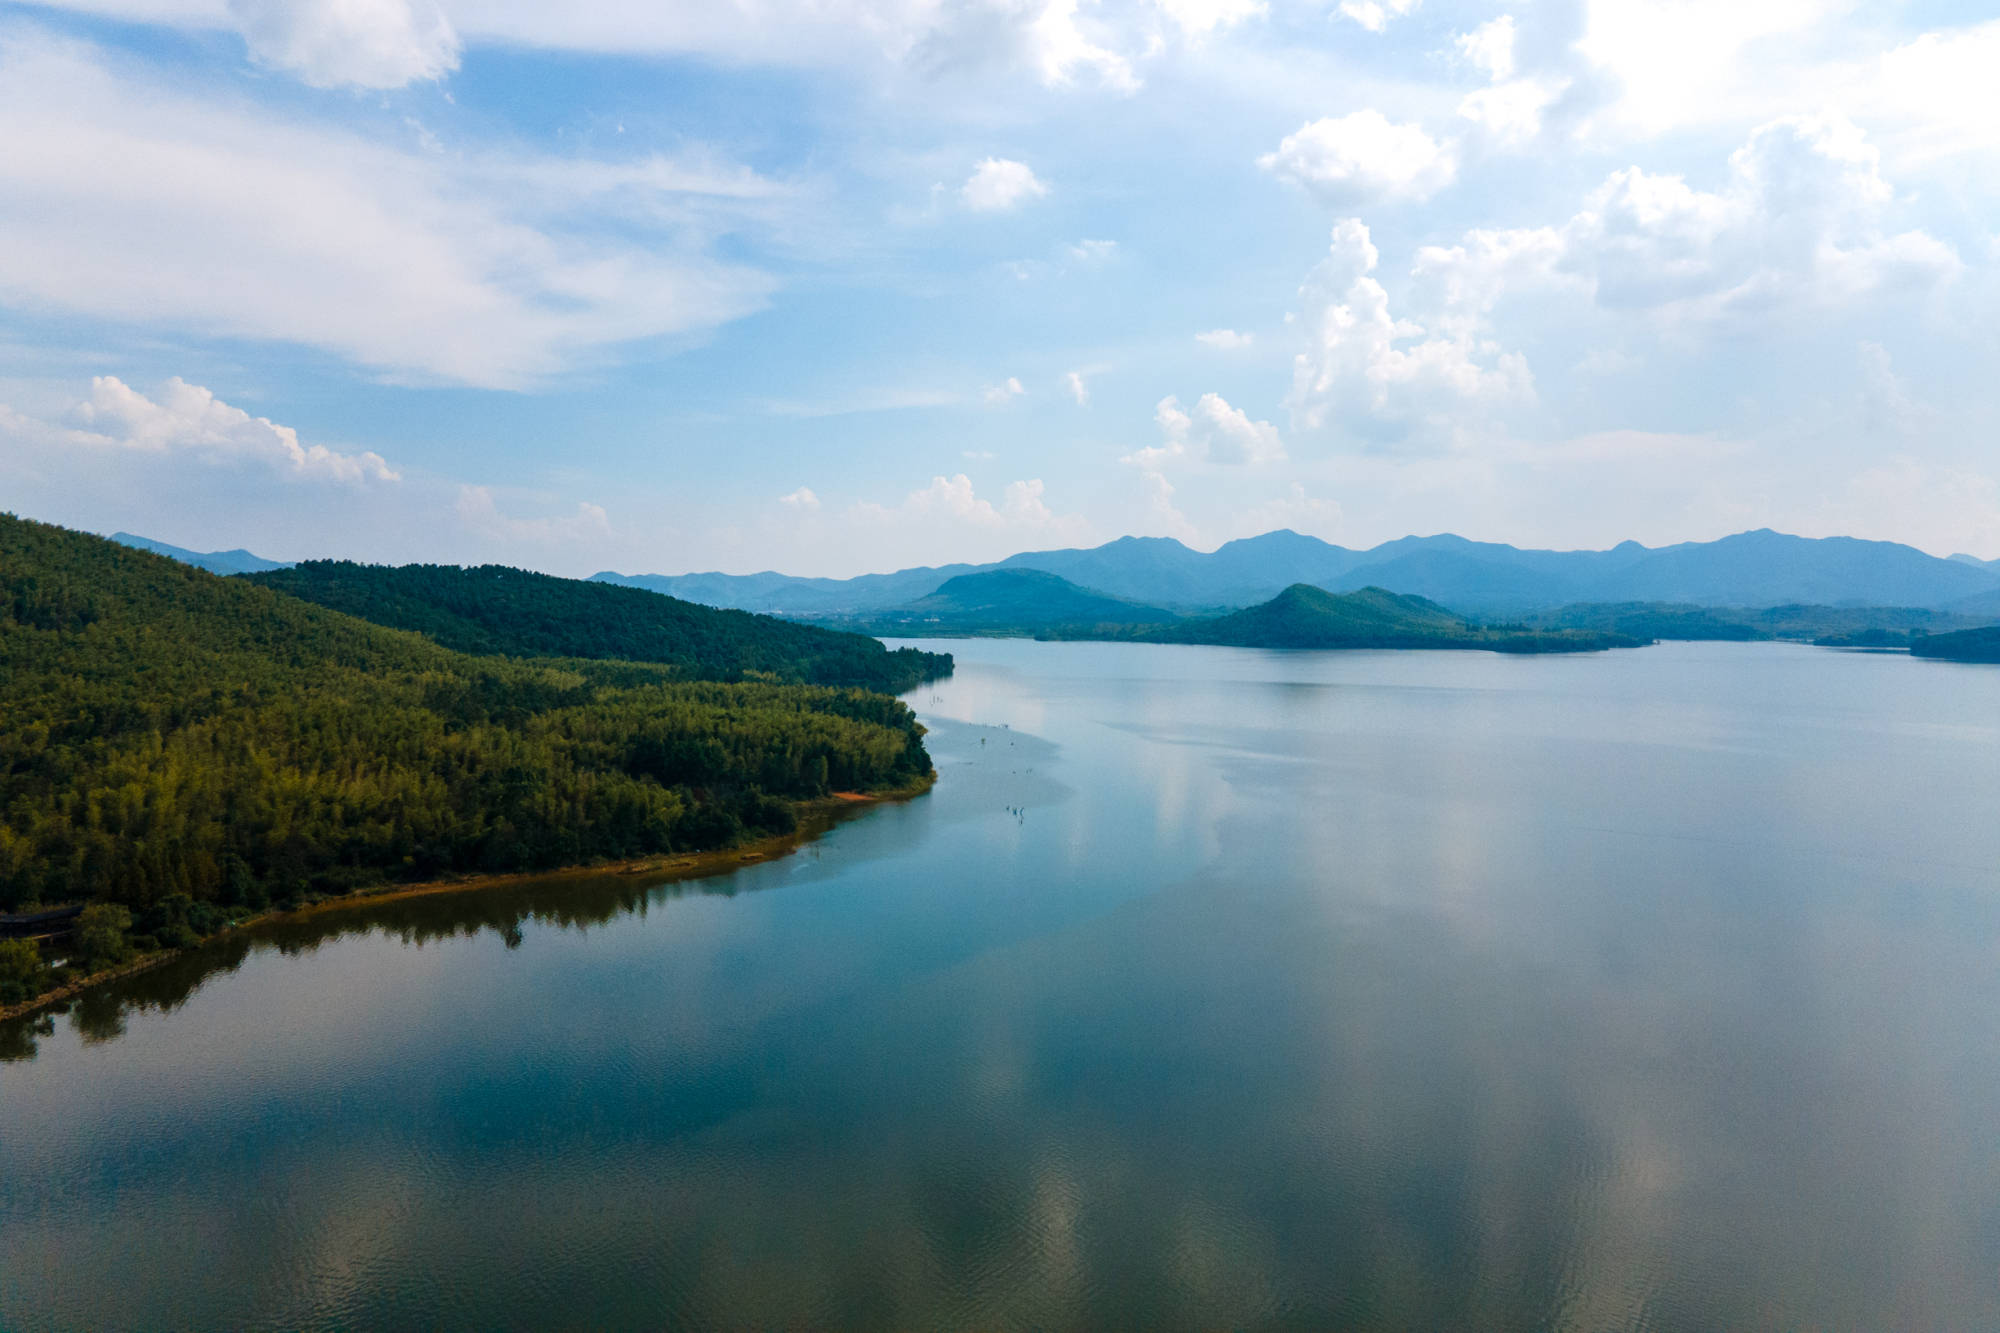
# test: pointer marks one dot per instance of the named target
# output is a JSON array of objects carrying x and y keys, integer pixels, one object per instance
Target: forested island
[{"x": 182, "y": 750}]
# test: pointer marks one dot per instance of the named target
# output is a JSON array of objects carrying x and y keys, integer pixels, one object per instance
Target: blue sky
[{"x": 831, "y": 286}]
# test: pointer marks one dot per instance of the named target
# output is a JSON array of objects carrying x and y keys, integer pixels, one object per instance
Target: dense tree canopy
[
  {"x": 178, "y": 743},
  {"x": 1972, "y": 645},
  {"x": 496, "y": 610}
]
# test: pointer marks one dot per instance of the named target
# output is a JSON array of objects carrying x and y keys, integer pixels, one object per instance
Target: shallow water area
[{"x": 1651, "y": 989}]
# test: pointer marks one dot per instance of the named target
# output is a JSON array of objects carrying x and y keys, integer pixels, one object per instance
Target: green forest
[
  {"x": 182, "y": 748},
  {"x": 492, "y": 610}
]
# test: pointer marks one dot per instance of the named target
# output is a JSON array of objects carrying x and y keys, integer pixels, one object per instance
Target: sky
[{"x": 832, "y": 286}]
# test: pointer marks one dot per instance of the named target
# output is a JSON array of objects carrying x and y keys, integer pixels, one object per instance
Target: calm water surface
[{"x": 1654, "y": 989}]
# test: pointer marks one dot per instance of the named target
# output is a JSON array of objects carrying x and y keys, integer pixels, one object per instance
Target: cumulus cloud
[
  {"x": 1375, "y": 15},
  {"x": 1362, "y": 157},
  {"x": 128, "y": 200},
  {"x": 1077, "y": 389},
  {"x": 1159, "y": 516},
  {"x": 1799, "y": 224},
  {"x": 1225, "y": 340},
  {"x": 358, "y": 43},
  {"x": 481, "y": 514},
  {"x": 1365, "y": 369},
  {"x": 1508, "y": 112},
  {"x": 801, "y": 499},
  {"x": 998, "y": 184},
  {"x": 1490, "y": 48},
  {"x": 190, "y": 421},
  {"x": 1212, "y": 431},
  {"x": 1198, "y": 17}
]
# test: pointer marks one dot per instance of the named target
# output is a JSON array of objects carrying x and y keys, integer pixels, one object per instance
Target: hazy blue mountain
[
  {"x": 1484, "y": 579},
  {"x": 1000, "y": 601},
  {"x": 1981, "y": 605},
  {"x": 1974, "y": 560},
  {"x": 1766, "y": 568},
  {"x": 215, "y": 562},
  {"x": 1476, "y": 581},
  {"x": 1030, "y": 597},
  {"x": 1154, "y": 570},
  {"x": 782, "y": 594}
]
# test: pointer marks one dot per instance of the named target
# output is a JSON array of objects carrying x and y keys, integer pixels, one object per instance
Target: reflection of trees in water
[{"x": 99, "y": 1014}]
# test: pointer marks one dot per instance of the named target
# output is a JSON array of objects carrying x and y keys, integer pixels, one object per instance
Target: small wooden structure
[{"x": 41, "y": 925}]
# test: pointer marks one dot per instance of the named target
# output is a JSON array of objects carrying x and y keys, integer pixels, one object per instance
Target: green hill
[
  {"x": 1968, "y": 645},
  {"x": 189, "y": 746},
  {"x": 1022, "y": 601},
  {"x": 1303, "y": 616},
  {"x": 492, "y": 609}
]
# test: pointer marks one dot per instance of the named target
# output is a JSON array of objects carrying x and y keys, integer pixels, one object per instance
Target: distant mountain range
[
  {"x": 1138, "y": 576},
  {"x": 1485, "y": 579},
  {"x": 215, "y": 562}
]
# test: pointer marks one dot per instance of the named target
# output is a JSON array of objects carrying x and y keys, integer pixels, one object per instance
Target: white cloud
[
  {"x": 1510, "y": 113},
  {"x": 1048, "y": 38},
  {"x": 978, "y": 455},
  {"x": 1077, "y": 389},
  {"x": 1197, "y": 17},
  {"x": 1226, "y": 340},
  {"x": 1060, "y": 47},
  {"x": 1375, "y": 15},
  {"x": 1490, "y": 48},
  {"x": 1092, "y": 253},
  {"x": 1159, "y": 516},
  {"x": 998, "y": 184},
  {"x": 951, "y": 504},
  {"x": 362, "y": 43},
  {"x": 1293, "y": 509},
  {"x": 1366, "y": 370},
  {"x": 188, "y": 420},
  {"x": 1004, "y": 392},
  {"x": 1212, "y": 431},
  {"x": 1940, "y": 88},
  {"x": 1888, "y": 408},
  {"x": 1673, "y": 64},
  {"x": 801, "y": 499},
  {"x": 1362, "y": 157},
  {"x": 1799, "y": 224},
  {"x": 128, "y": 200},
  {"x": 481, "y": 514}
]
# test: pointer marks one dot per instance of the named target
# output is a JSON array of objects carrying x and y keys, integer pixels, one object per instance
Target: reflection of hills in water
[
  {"x": 574, "y": 900},
  {"x": 988, "y": 768}
]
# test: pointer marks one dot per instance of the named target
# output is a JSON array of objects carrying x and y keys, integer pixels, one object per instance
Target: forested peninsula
[
  {"x": 1972, "y": 645},
  {"x": 182, "y": 749}
]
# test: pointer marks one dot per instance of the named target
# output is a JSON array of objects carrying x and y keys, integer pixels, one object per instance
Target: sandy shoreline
[{"x": 815, "y": 819}]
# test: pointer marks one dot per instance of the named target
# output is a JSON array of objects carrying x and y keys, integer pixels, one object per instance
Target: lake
[{"x": 1655, "y": 989}]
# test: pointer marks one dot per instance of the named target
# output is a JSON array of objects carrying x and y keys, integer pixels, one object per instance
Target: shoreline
[{"x": 816, "y": 819}]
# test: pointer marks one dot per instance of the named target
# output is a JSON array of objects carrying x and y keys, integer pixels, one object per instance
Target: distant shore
[{"x": 816, "y": 818}]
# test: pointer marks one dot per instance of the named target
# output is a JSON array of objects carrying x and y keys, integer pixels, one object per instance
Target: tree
[
  {"x": 100, "y": 937},
  {"x": 23, "y": 975}
]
